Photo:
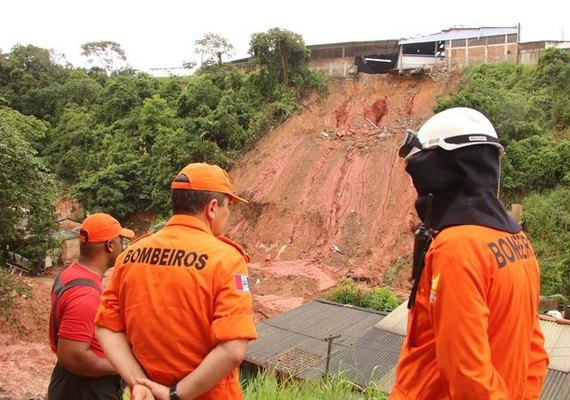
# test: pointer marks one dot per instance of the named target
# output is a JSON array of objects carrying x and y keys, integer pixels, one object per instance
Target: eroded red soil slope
[
  {"x": 327, "y": 190},
  {"x": 329, "y": 199}
]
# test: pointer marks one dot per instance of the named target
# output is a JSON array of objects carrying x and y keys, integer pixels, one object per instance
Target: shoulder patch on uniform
[
  {"x": 234, "y": 244},
  {"x": 242, "y": 282}
]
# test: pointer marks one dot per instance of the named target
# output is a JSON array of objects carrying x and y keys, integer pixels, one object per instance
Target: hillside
[{"x": 329, "y": 197}]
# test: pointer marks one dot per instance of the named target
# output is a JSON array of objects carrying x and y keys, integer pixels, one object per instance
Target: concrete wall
[
  {"x": 530, "y": 52},
  {"x": 478, "y": 55},
  {"x": 419, "y": 61},
  {"x": 337, "y": 67}
]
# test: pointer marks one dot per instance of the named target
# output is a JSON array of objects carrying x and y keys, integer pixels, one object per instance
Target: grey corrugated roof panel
[
  {"x": 271, "y": 341},
  {"x": 370, "y": 358},
  {"x": 461, "y": 33},
  {"x": 556, "y": 386},
  {"x": 557, "y": 343},
  {"x": 397, "y": 321},
  {"x": 306, "y": 328},
  {"x": 371, "y": 43},
  {"x": 321, "y": 319}
]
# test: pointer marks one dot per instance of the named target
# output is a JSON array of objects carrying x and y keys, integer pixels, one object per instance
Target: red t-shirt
[{"x": 76, "y": 309}]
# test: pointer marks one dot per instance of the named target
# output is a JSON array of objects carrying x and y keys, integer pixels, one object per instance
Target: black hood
[{"x": 464, "y": 184}]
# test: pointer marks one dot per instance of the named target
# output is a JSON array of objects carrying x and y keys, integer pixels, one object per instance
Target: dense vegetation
[
  {"x": 115, "y": 137},
  {"x": 266, "y": 386},
  {"x": 348, "y": 292},
  {"x": 530, "y": 107}
]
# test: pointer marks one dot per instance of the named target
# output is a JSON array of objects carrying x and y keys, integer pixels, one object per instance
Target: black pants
[{"x": 65, "y": 385}]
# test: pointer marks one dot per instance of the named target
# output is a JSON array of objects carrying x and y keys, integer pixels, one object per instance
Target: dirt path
[{"x": 26, "y": 360}]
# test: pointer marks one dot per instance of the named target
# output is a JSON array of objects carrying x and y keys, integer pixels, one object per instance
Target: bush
[
  {"x": 547, "y": 221},
  {"x": 347, "y": 292}
]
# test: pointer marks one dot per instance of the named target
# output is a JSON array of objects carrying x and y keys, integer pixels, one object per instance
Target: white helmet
[{"x": 451, "y": 129}]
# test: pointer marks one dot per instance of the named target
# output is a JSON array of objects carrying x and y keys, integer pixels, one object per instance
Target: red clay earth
[{"x": 329, "y": 199}]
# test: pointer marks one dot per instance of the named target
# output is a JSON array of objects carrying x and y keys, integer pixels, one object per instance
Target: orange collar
[{"x": 189, "y": 221}]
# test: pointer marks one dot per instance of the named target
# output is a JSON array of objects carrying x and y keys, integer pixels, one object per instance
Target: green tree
[
  {"x": 73, "y": 143},
  {"x": 25, "y": 70},
  {"x": 547, "y": 220},
  {"x": 155, "y": 118},
  {"x": 280, "y": 54},
  {"x": 123, "y": 94},
  {"x": 553, "y": 65},
  {"x": 31, "y": 129},
  {"x": 106, "y": 54},
  {"x": 27, "y": 191},
  {"x": 79, "y": 89},
  {"x": 114, "y": 189},
  {"x": 212, "y": 48}
]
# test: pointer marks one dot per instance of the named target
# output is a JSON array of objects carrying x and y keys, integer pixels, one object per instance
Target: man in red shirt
[
  {"x": 82, "y": 372},
  {"x": 178, "y": 309},
  {"x": 473, "y": 330}
]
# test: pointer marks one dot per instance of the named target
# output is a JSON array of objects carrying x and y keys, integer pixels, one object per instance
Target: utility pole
[{"x": 329, "y": 350}]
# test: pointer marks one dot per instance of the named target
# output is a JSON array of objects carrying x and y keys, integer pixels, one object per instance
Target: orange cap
[
  {"x": 102, "y": 227},
  {"x": 211, "y": 178}
]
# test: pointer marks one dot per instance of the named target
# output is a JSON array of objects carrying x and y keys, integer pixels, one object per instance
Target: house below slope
[{"x": 365, "y": 346}]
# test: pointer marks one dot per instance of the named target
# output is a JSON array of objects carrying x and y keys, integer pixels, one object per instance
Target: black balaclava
[{"x": 464, "y": 184}]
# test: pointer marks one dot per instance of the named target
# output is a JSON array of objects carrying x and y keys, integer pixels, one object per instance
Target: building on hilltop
[
  {"x": 342, "y": 59},
  {"x": 452, "y": 48},
  {"x": 460, "y": 47}
]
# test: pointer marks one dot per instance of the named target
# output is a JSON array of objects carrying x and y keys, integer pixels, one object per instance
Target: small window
[
  {"x": 477, "y": 41},
  {"x": 500, "y": 39},
  {"x": 458, "y": 43}
]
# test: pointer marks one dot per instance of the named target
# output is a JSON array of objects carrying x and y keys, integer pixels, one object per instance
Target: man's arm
[
  {"x": 222, "y": 360},
  {"x": 538, "y": 363},
  {"x": 118, "y": 351},
  {"x": 76, "y": 331},
  {"x": 78, "y": 358},
  {"x": 460, "y": 317}
]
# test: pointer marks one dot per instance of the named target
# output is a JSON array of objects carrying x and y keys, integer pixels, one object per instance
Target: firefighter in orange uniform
[
  {"x": 473, "y": 330},
  {"x": 177, "y": 315}
]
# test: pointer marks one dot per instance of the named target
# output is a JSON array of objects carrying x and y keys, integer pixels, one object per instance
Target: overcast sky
[{"x": 157, "y": 34}]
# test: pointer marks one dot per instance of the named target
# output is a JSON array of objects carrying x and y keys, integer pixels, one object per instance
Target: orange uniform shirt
[
  {"x": 473, "y": 332},
  {"x": 177, "y": 294}
]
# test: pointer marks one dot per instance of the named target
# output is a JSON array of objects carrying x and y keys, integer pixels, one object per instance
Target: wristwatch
[{"x": 173, "y": 393}]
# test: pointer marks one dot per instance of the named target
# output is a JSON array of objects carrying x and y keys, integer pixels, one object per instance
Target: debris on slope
[{"x": 331, "y": 178}]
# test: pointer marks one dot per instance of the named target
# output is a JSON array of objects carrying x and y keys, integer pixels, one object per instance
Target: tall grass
[{"x": 267, "y": 386}]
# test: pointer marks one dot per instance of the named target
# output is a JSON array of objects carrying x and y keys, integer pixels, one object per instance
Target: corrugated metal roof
[
  {"x": 461, "y": 33},
  {"x": 388, "y": 43},
  {"x": 397, "y": 321},
  {"x": 370, "y": 358},
  {"x": 557, "y": 343},
  {"x": 556, "y": 386},
  {"x": 369, "y": 346},
  {"x": 354, "y": 49},
  {"x": 305, "y": 329}
]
